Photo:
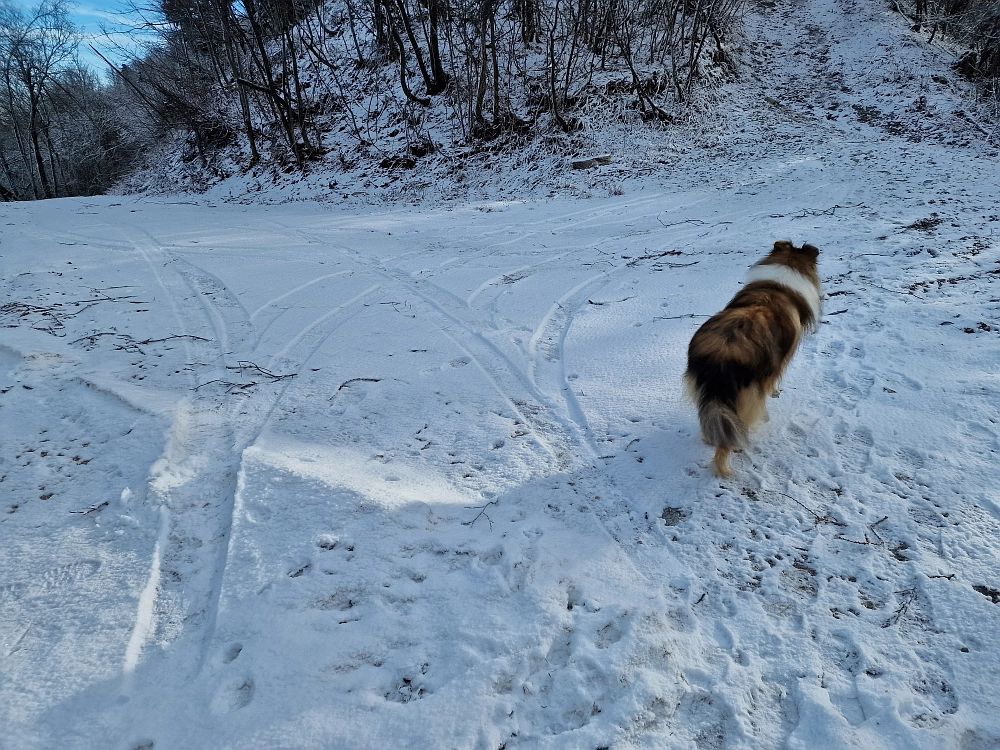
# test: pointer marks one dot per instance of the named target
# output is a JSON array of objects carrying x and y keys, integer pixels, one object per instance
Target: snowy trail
[
  {"x": 467, "y": 331},
  {"x": 304, "y": 476},
  {"x": 207, "y": 527}
]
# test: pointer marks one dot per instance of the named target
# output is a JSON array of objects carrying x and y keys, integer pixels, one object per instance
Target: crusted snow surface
[{"x": 308, "y": 476}]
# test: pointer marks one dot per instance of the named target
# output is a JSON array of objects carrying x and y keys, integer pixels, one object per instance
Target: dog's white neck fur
[{"x": 794, "y": 280}]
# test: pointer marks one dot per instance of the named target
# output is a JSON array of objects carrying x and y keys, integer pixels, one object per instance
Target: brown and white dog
[{"x": 736, "y": 359}]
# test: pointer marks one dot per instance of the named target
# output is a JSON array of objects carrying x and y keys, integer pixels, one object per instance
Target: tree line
[
  {"x": 272, "y": 74},
  {"x": 273, "y": 77},
  {"x": 61, "y": 131},
  {"x": 973, "y": 22},
  {"x": 497, "y": 66}
]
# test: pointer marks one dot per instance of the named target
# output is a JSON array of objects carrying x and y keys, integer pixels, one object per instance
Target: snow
[{"x": 329, "y": 476}]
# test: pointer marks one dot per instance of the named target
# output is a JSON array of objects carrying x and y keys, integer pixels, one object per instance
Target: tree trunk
[{"x": 33, "y": 127}]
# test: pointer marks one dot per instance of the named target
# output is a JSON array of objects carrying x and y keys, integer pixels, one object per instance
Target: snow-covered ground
[{"x": 309, "y": 476}]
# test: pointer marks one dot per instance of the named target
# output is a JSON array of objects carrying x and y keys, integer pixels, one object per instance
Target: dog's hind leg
[
  {"x": 721, "y": 462},
  {"x": 751, "y": 405}
]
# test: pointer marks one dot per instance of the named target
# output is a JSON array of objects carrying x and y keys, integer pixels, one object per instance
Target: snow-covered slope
[{"x": 305, "y": 476}]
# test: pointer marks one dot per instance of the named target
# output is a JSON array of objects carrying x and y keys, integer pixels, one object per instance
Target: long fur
[{"x": 737, "y": 358}]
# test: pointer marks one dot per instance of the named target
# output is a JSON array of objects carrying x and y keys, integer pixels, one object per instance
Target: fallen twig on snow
[
  {"x": 242, "y": 388},
  {"x": 652, "y": 256},
  {"x": 819, "y": 519},
  {"x": 832, "y": 211},
  {"x": 171, "y": 337},
  {"x": 359, "y": 380},
  {"x": 246, "y": 365},
  {"x": 678, "y": 317},
  {"x": 482, "y": 512},
  {"x": 911, "y": 595},
  {"x": 683, "y": 221},
  {"x": 91, "y": 509},
  {"x": 607, "y": 302}
]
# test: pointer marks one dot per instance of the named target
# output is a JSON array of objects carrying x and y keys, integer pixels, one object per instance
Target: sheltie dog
[{"x": 736, "y": 359}]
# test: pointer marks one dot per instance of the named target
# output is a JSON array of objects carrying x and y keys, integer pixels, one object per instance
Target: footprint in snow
[
  {"x": 845, "y": 390},
  {"x": 800, "y": 579},
  {"x": 349, "y": 394},
  {"x": 406, "y": 690},
  {"x": 854, "y": 449},
  {"x": 232, "y": 652},
  {"x": 609, "y": 634},
  {"x": 234, "y": 694},
  {"x": 54, "y": 578},
  {"x": 934, "y": 699}
]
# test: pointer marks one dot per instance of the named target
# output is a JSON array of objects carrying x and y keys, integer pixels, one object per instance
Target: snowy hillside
[{"x": 319, "y": 476}]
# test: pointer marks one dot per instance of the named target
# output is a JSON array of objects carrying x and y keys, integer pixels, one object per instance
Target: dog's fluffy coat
[{"x": 737, "y": 358}]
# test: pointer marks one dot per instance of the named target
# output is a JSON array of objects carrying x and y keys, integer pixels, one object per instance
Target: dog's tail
[{"x": 723, "y": 429}]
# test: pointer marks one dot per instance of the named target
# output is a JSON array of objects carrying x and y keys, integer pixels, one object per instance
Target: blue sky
[{"x": 90, "y": 17}]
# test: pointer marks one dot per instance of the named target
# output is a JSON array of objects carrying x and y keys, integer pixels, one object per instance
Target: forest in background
[{"x": 268, "y": 80}]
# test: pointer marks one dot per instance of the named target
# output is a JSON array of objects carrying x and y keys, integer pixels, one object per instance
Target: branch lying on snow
[
  {"x": 690, "y": 221},
  {"x": 130, "y": 344},
  {"x": 608, "y": 302},
  {"x": 911, "y": 595},
  {"x": 807, "y": 212},
  {"x": 482, "y": 512},
  {"x": 827, "y": 518},
  {"x": 242, "y": 388},
  {"x": 406, "y": 305},
  {"x": 683, "y": 221},
  {"x": 246, "y": 365},
  {"x": 91, "y": 338},
  {"x": 105, "y": 298},
  {"x": 91, "y": 509},
  {"x": 872, "y": 526},
  {"x": 173, "y": 336},
  {"x": 653, "y": 256},
  {"x": 678, "y": 317},
  {"x": 359, "y": 380},
  {"x": 879, "y": 543}
]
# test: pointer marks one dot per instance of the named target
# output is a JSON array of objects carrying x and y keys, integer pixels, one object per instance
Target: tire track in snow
[
  {"x": 286, "y": 295},
  {"x": 500, "y": 370},
  {"x": 248, "y": 420},
  {"x": 229, "y": 318},
  {"x": 145, "y": 616},
  {"x": 547, "y": 347},
  {"x": 196, "y": 477},
  {"x": 563, "y": 440},
  {"x": 499, "y": 278},
  {"x": 596, "y": 215},
  {"x": 297, "y": 339}
]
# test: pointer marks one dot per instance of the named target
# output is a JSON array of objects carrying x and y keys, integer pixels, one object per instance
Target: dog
[{"x": 737, "y": 358}]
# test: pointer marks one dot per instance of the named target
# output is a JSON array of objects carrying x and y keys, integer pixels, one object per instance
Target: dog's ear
[
  {"x": 811, "y": 250},
  {"x": 783, "y": 245}
]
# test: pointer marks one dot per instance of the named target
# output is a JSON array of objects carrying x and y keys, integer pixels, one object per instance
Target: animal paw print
[
  {"x": 800, "y": 579},
  {"x": 235, "y": 693},
  {"x": 609, "y": 634},
  {"x": 854, "y": 449},
  {"x": 934, "y": 699},
  {"x": 409, "y": 687}
]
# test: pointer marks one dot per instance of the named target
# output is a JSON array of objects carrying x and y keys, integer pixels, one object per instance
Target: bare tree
[{"x": 35, "y": 47}]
